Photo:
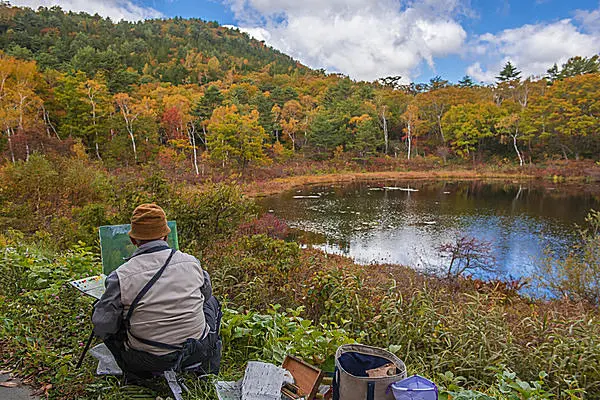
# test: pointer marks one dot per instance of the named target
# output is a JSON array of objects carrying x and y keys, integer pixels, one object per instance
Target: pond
[{"x": 404, "y": 222}]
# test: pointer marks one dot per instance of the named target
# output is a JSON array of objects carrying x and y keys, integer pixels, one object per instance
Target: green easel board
[{"x": 115, "y": 244}]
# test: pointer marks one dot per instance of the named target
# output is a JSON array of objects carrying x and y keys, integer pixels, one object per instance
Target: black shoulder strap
[
  {"x": 136, "y": 301},
  {"x": 370, "y": 390}
]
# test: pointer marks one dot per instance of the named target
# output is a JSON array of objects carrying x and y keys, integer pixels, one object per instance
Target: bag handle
[{"x": 336, "y": 384}]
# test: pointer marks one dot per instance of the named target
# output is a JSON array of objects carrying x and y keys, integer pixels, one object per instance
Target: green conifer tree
[{"x": 509, "y": 73}]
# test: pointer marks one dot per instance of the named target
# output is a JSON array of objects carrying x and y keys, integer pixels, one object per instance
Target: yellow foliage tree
[{"x": 232, "y": 136}]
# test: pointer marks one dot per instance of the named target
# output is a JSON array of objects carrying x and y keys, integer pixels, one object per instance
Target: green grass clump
[{"x": 43, "y": 322}]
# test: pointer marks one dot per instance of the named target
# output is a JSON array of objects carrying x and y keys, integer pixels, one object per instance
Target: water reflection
[{"x": 404, "y": 222}]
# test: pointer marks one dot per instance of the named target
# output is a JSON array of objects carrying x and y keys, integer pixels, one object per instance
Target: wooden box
[{"x": 307, "y": 377}]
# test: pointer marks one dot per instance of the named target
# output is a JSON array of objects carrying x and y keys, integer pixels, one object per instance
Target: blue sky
[{"x": 417, "y": 39}]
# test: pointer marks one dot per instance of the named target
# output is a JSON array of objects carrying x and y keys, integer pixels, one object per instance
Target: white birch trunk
[
  {"x": 517, "y": 149},
  {"x": 10, "y": 146},
  {"x": 129, "y": 125},
  {"x": 385, "y": 130},
  {"x": 48, "y": 123},
  {"x": 133, "y": 144},
  {"x": 204, "y": 140},
  {"x": 192, "y": 136},
  {"x": 97, "y": 149},
  {"x": 226, "y": 153},
  {"x": 91, "y": 97},
  {"x": 195, "y": 155},
  {"x": 409, "y": 138},
  {"x": 21, "y": 110}
]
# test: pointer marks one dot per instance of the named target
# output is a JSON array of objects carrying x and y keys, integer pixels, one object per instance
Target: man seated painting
[{"x": 158, "y": 311}]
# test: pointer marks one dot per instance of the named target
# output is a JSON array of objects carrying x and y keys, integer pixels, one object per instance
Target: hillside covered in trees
[{"x": 195, "y": 94}]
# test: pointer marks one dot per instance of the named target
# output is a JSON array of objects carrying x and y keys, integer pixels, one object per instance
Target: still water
[{"x": 404, "y": 222}]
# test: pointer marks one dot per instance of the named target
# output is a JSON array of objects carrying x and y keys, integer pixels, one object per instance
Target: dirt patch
[{"x": 13, "y": 389}]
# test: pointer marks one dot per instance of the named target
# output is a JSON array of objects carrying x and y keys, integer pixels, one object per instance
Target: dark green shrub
[
  {"x": 254, "y": 271},
  {"x": 209, "y": 213}
]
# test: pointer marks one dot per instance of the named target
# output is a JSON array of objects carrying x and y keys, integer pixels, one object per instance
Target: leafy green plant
[
  {"x": 271, "y": 336},
  {"x": 337, "y": 295},
  {"x": 508, "y": 386},
  {"x": 514, "y": 388}
]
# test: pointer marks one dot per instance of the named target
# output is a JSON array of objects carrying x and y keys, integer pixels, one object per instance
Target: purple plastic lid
[{"x": 414, "y": 383}]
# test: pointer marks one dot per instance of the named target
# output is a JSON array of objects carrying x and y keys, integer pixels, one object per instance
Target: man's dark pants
[{"x": 206, "y": 351}]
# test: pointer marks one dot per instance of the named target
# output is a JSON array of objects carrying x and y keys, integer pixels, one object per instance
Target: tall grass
[
  {"x": 467, "y": 327},
  {"x": 454, "y": 334}
]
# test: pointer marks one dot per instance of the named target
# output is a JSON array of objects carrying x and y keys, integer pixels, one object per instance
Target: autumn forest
[{"x": 198, "y": 94}]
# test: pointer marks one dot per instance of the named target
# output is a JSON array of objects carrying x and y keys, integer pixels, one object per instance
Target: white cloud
[
  {"x": 590, "y": 20},
  {"x": 476, "y": 71},
  {"x": 260, "y": 34},
  {"x": 115, "y": 9},
  {"x": 533, "y": 48},
  {"x": 366, "y": 39}
]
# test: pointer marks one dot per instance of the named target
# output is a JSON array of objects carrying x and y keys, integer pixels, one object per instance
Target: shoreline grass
[{"x": 279, "y": 185}]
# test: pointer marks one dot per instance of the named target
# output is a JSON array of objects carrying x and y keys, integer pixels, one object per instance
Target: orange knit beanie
[{"x": 148, "y": 222}]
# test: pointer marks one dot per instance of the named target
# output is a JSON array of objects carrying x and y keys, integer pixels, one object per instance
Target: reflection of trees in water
[
  {"x": 519, "y": 219},
  {"x": 354, "y": 205},
  {"x": 566, "y": 204}
]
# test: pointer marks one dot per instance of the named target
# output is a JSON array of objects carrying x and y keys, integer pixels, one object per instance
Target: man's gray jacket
[{"x": 170, "y": 312}]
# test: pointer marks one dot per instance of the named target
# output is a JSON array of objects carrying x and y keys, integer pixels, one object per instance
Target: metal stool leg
[{"x": 85, "y": 349}]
